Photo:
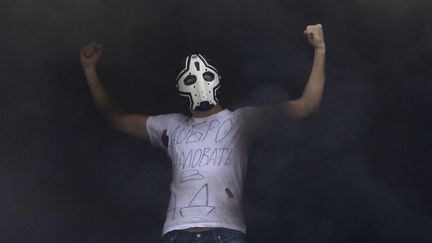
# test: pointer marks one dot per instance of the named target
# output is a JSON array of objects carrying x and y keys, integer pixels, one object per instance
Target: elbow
[
  {"x": 306, "y": 112},
  {"x": 114, "y": 120},
  {"x": 303, "y": 108}
]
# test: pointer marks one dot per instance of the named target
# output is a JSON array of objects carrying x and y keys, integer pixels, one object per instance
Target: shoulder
[
  {"x": 254, "y": 118},
  {"x": 252, "y": 111},
  {"x": 166, "y": 120},
  {"x": 171, "y": 115}
]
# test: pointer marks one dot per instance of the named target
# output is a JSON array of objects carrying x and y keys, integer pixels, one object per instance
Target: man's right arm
[{"x": 132, "y": 124}]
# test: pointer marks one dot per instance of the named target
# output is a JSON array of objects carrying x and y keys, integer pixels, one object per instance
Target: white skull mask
[{"x": 199, "y": 81}]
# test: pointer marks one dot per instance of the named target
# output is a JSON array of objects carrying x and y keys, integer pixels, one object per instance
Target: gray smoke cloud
[{"x": 357, "y": 171}]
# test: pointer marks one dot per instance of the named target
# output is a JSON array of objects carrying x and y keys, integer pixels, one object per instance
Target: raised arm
[
  {"x": 132, "y": 124},
  {"x": 310, "y": 100}
]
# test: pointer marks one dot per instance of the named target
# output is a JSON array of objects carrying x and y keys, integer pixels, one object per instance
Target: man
[{"x": 209, "y": 149}]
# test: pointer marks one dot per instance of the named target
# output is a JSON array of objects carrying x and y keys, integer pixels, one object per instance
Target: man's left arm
[{"x": 310, "y": 100}]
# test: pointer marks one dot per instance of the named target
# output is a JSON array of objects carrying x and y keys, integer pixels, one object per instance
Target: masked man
[{"x": 208, "y": 149}]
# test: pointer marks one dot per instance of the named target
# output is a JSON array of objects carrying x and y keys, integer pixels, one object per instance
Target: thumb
[{"x": 82, "y": 55}]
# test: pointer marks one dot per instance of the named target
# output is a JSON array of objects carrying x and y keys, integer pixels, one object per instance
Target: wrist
[
  {"x": 320, "y": 49},
  {"x": 90, "y": 69}
]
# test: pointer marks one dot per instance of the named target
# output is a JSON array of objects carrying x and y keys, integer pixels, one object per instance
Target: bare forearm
[
  {"x": 133, "y": 124},
  {"x": 103, "y": 101},
  {"x": 312, "y": 94},
  {"x": 310, "y": 100}
]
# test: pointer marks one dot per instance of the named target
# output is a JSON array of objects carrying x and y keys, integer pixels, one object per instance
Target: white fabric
[{"x": 209, "y": 160}]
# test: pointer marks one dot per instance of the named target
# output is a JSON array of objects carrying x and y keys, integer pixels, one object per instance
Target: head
[{"x": 198, "y": 81}]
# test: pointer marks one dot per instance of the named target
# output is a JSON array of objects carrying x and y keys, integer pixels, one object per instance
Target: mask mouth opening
[{"x": 204, "y": 106}]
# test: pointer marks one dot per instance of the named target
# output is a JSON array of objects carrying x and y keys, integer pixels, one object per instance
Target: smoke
[{"x": 357, "y": 171}]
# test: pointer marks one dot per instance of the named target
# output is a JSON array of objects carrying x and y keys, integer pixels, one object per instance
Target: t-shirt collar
[{"x": 216, "y": 115}]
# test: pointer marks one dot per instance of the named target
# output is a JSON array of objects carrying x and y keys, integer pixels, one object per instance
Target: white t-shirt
[{"x": 209, "y": 160}]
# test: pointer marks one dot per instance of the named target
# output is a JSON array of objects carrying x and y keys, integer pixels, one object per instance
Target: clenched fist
[
  {"x": 90, "y": 55},
  {"x": 315, "y": 36}
]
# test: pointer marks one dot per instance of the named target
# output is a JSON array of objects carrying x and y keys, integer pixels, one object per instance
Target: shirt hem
[{"x": 211, "y": 225}]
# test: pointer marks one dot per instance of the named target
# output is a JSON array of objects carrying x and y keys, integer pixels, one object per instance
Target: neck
[{"x": 215, "y": 109}]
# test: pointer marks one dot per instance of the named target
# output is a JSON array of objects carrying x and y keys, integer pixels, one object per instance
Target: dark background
[{"x": 358, "y": 171}]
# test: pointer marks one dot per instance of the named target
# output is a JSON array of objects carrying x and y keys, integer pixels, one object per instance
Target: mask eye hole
[
  {"x": 208, "y": 76},
  {"x": 189, "y": 80}
]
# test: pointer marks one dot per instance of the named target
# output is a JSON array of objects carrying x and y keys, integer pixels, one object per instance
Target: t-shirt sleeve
[
  {"x": 158, "y": 128},
  {"x": 255, "y": 119},
  {"x": 254, "y": 116}
]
